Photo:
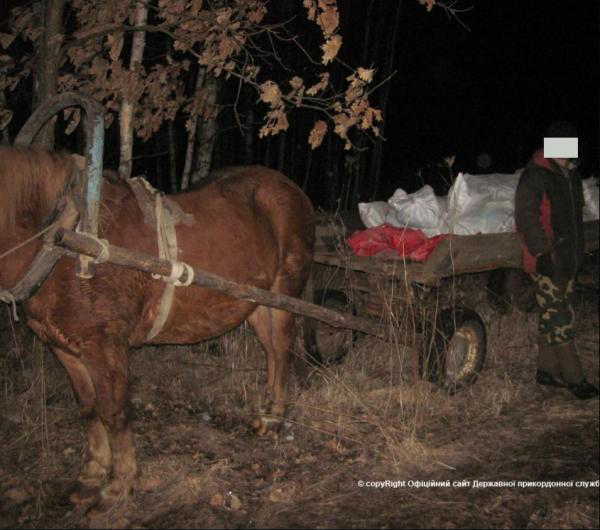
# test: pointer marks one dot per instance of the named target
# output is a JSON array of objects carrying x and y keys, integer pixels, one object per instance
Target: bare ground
[{"x": 368, "y": 419}]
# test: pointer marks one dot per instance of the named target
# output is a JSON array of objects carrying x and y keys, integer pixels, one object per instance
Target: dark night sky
[{"x": 495, "y": 88}]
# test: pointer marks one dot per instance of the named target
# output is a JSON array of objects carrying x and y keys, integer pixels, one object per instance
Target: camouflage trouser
[{"x": 555, "y": 300}]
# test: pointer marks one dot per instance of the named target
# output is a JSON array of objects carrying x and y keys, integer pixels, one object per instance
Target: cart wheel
[
  {"x": 454, "y": 352},
  {"x": 326, "y": 344}
]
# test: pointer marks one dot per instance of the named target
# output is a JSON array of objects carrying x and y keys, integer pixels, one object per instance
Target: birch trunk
[
  {"x": 128, "y": 107},
  {"x": 207, "y": 133}
]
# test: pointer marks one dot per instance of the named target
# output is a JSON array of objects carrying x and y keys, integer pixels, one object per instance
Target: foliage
[{"x": 230, "y": 38}]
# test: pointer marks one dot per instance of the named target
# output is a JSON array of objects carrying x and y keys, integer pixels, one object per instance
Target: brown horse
[{"x": 252, "y": 225}]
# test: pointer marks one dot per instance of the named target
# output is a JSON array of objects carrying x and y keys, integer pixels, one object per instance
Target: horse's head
[{"x": 32, "y": 181}]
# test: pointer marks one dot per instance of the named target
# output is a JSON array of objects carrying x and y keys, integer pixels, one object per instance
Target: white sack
[
  {"x": 475, "y": 204},
  {"x": 421, "y": 209},
  {"x": 482, "y": 203},
  {"x": 373, "y": 213}
]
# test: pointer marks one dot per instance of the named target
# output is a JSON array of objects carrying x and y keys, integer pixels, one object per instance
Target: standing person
[{"x": 549, "y": 222}]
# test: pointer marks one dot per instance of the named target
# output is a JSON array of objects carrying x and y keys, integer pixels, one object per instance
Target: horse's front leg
[
  {"x": 95, "y": 471},
  {"x": 109, "y": 370}
]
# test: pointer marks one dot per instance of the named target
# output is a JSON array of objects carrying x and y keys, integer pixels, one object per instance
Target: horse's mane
[{"x": 30, "y": 181}]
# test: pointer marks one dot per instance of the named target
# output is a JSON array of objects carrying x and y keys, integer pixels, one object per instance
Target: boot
[
  {"x": 572, "y": 373},
  {"x": 548, "y": 366}
]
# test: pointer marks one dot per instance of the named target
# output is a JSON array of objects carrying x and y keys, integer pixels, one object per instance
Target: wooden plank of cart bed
[
  {"x": 484, "y": 252},
  {"x": 455, "y": 255},
  {"x": 388, "y": 266}
]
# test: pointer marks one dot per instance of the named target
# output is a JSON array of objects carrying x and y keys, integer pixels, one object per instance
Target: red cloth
[{"x": 405, "y": 242}]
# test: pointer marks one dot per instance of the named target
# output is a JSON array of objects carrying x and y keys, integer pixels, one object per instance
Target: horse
[{"x": 250, "y": 224}]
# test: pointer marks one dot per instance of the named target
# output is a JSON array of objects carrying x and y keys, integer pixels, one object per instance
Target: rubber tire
[
  {"x": 454, "y": 352},
  {"x": 341, "y": 339}
]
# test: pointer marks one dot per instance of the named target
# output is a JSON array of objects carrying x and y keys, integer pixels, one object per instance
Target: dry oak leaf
[
  {"x": 343, "y": 122},
  {"x": 317, "y": 134},
  {"x": 321, "y": 85},
  {"x": 296, "y": 82},
  {"x": 270, "y": 93},
  {"x": 331, "y": 48},
  {"x": 73, "y": 114},
  {"x": 298, "y": 89},
  {"x": 370, "y": 116},
  {"x": 428, "y": 4},
  {"x": 276, "y": 121},
  {"x": 115, "y": 44},
  {"x": 365, "y": 74},
  {"x": 256, "y": 15},
  {"x": 311, "y": 7},
  {"x": 329, "y": 19}
]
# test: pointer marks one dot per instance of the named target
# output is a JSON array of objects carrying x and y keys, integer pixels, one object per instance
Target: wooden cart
[{"x": 447, "y": 331}]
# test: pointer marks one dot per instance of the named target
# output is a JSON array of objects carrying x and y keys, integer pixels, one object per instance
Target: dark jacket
[{"x": 549, "y": 215}]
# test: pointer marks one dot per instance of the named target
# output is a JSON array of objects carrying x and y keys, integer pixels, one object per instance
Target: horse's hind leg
[
  {"x": 95, "y": 471},
  {"x": 275, "y": 331}
]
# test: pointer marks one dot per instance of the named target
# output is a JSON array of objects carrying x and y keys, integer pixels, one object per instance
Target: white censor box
[{"x": 561, "y": 147}]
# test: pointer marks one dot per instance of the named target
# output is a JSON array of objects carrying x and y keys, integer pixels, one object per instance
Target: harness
[{"x": 164, "y": 214}]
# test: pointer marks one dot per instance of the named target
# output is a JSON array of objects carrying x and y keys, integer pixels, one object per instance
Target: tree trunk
[
  {"x": 172, "y": 155},
  {"x": 207, "y": 134},
  {"x": 249, "y": 132},
  {"x": 332, "y": 172},
  {"x": 308, "y": 169},
  {"x": 50, "y": 15},
  {"x": 281, "y": 154},
  {"x": 291, "y": 166},
  {"x": 267, "y": 160},
  {"x": 128, "y": 107},
  {"x": 189, "y": 152}
]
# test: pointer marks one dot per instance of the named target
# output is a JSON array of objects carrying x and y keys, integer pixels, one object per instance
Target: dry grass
[{"x": 369, "y": 418}]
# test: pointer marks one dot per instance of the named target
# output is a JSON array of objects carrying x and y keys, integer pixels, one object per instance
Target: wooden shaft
[{"x": 83, "y": 244}]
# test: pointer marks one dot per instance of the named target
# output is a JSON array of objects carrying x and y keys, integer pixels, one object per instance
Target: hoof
[
  {"x": 83, "y": 495},
  {"x": 114, "y": 493},
  {"x": 266, "y": 425}
]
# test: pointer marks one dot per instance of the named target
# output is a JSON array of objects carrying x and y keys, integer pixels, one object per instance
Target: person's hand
[{"x": 544, "y": 265}]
